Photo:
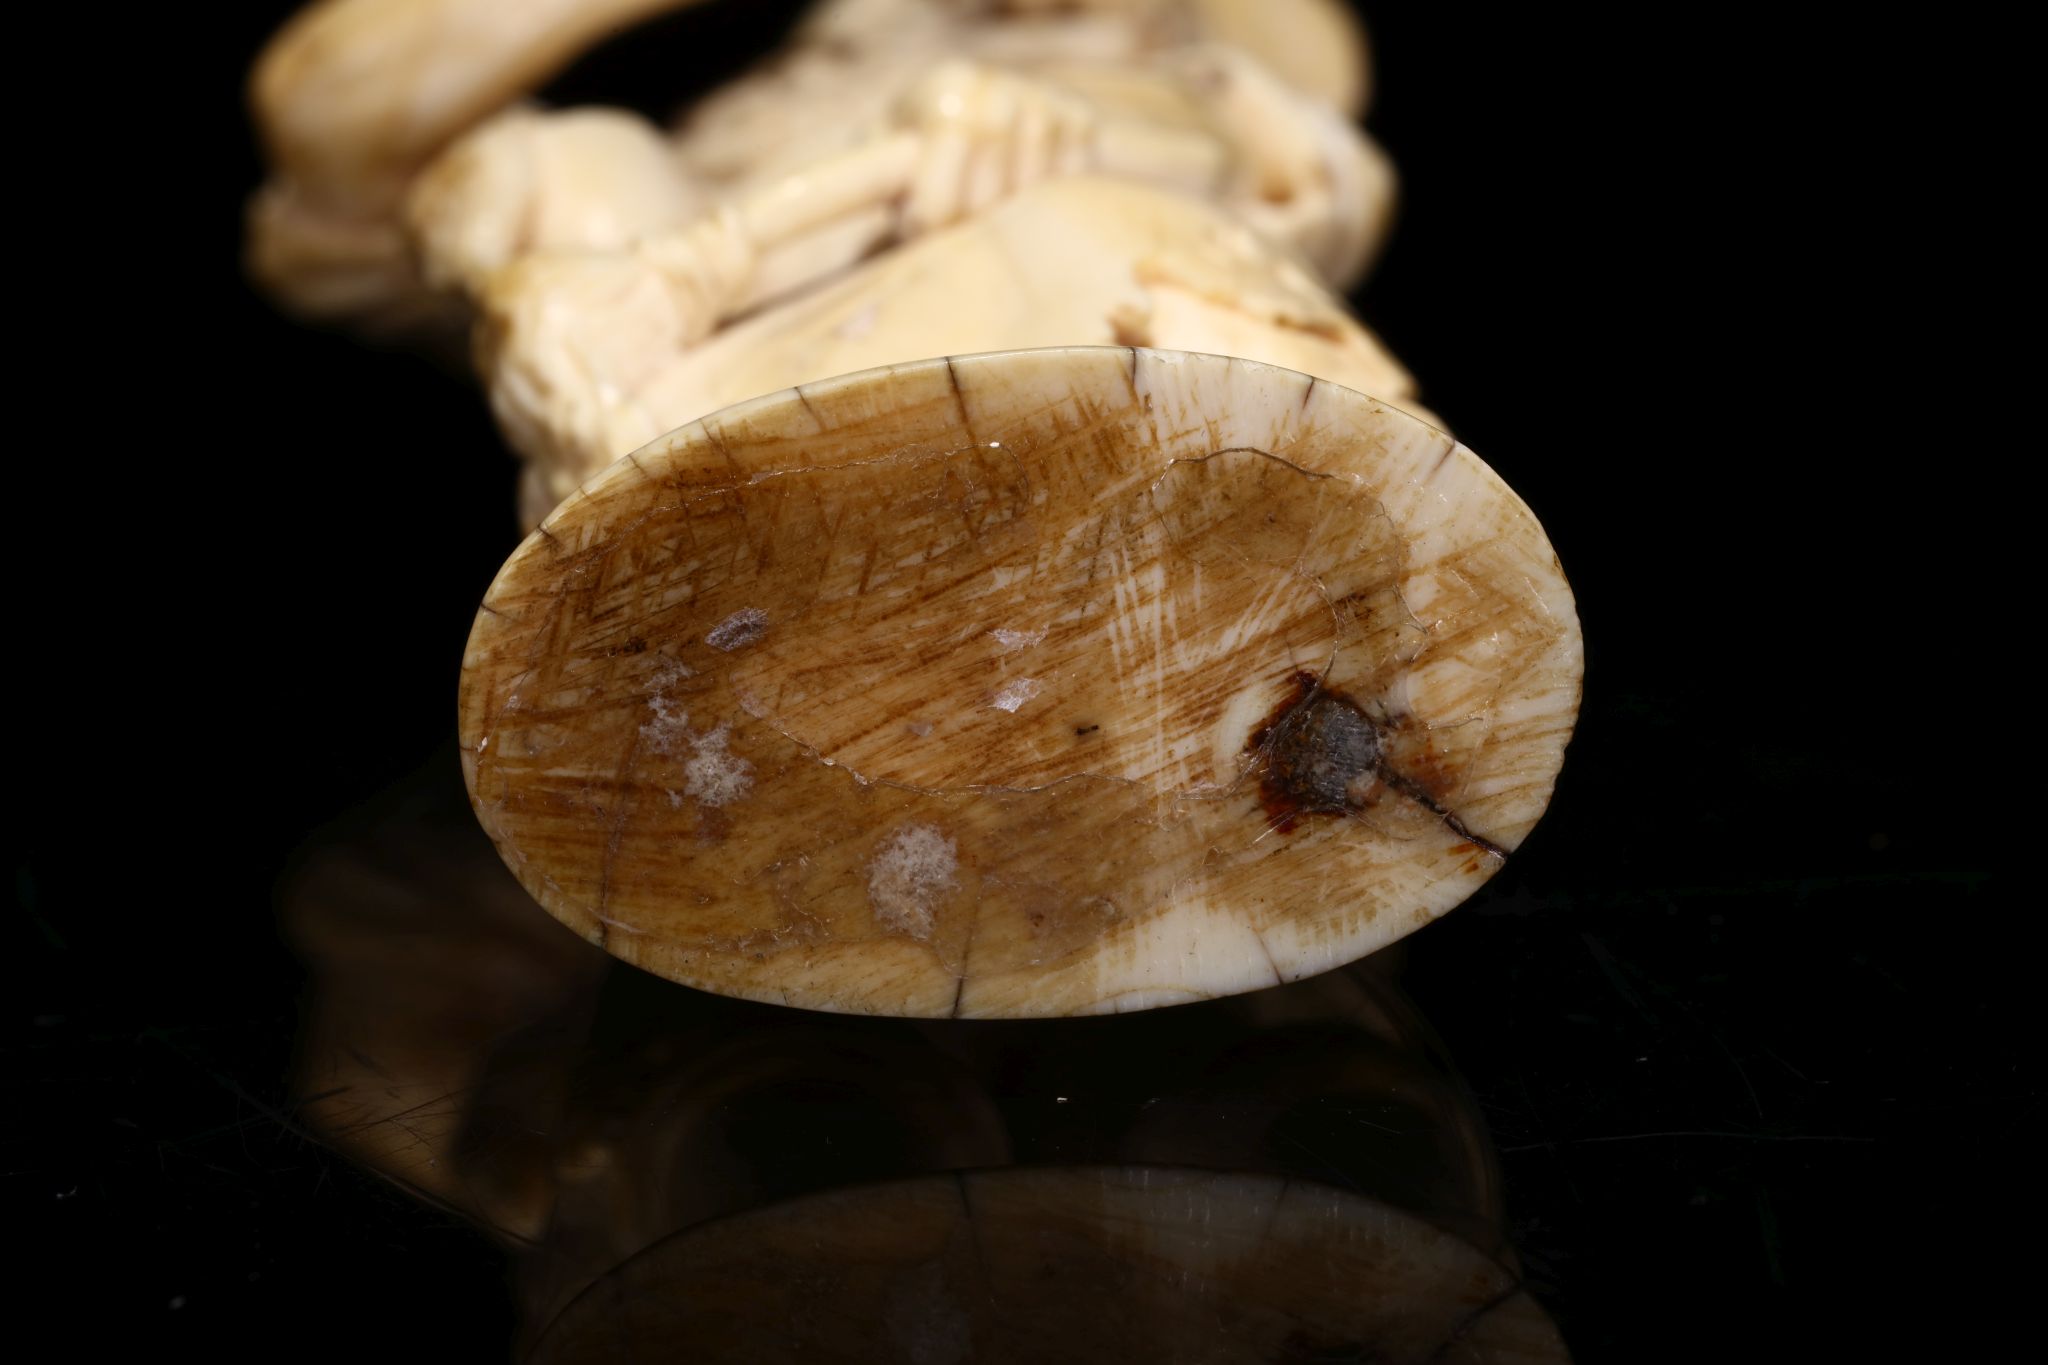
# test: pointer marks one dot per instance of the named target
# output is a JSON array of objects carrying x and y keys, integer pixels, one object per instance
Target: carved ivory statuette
[{"x": 1154, "y": 646}]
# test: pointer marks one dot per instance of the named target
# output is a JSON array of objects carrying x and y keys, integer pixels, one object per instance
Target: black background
[{"x": 1746, "y": 1015}]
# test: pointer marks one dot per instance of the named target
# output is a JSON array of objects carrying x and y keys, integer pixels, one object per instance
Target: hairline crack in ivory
[{"x": 1090, "y": 669}]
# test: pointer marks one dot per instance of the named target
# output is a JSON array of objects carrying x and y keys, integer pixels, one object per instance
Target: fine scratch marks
[
  {"x": 973, "y": 1229},
  {"x": 966, "y": 954},
  {"x": 1458, "y": 827},
  {"x": 1278, "y": 979},
  {"x": 1414, "y": 791},
  {"x": 1095, "y": 555},
  {"x": 718, "y": 444},
  {"x": 1240, "y": 450},
  {"x": 615, "y": 835},
  {"x": 960, "y": 401},
  {"x": 809, "y": 407},
  {"x": 1464, "y": 1325},
  {"x": 1272, "y": 1219}
]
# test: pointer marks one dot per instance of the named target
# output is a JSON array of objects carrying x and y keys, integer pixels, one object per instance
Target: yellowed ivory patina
[{"x": 1042, "y": 683}]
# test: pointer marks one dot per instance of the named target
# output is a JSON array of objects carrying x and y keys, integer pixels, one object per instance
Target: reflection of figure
[
  {"x": 913, "y": 178},
  {"x": 1087, "y": 1264},
  {"x": 460, "y": 1042},
  {"x": 430, "y": 968}
]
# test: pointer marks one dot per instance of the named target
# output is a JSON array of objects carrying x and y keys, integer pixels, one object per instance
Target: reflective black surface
[
  {"x": 582, "y": 1113},
  {"x": 1745, "y": 1029}
]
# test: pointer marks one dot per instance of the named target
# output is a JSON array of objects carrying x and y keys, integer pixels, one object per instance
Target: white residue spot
[
  {"x": 1015, "y": 694},
  {"x": 671, "y": 723},
  {"x": 1013, "y": 640},
  {"x": 920, "y": 728},
  {"x": 908, "y": 876},
  {"x": 713, "y": 774},
  {"x": 743, "y": 627}
]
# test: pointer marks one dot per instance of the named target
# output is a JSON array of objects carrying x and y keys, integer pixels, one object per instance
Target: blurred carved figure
[{"x": 910, "y": 178}]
